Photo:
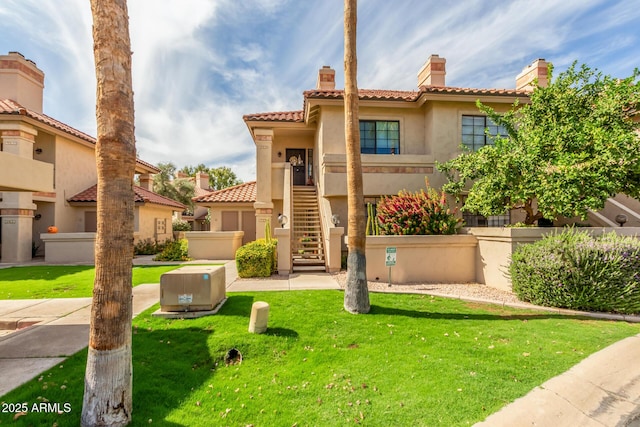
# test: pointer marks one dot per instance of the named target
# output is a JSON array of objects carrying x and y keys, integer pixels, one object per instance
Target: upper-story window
[
  {"x": 379, "y": 137},
  {"x": 474, "y": 136}
]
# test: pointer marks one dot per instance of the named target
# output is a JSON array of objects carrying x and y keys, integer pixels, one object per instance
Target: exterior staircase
[{"x": 307, "y": 244}]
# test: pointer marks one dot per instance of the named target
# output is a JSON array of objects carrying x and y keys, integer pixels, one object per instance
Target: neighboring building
[
  {"x": 198, "y": 219},
  {"x": 152, "y": 215},
  {"x": 65, "y": 167},
  {"x": 301, "y": 158},
  {"x": 231, "y": 209}
]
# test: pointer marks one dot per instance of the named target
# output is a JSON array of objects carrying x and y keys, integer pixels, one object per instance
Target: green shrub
[
  {"x": 147, "y": 247},
  {"x": 257, "y": 258},
  {"x": 180, "y": 225},
  {"x": 174, "y": 250},
  {"x": 574, "y": 270},
  {"x": 423, "y": 212}
]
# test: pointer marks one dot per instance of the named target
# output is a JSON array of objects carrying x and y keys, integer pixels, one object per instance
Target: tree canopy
[
  {"x": 166, "y": 184},
  {"x": 219, "y": 178},
  {"x": 573, "y": 146}
]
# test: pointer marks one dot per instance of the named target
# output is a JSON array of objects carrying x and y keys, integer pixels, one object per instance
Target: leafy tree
[
  {"x": 222, "y": 177},
  {"x": 573, "y": 146},
  {"x": 356, "y": 294},
  {"x": 179, "y": 189},
  {"x": 191, "y": 170},
  {"x": 107, "y": 399},
  {"x": 219, "y": 178}
]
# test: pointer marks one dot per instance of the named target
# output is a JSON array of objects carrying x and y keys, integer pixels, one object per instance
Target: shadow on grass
[
  {"x": 40, "y": 272},
  {"x": 391, "y": 311},
  {"x": 169, "y": 364},
  {"x": 237, "y": 305}
]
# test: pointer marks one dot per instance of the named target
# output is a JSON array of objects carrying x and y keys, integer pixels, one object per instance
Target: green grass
[
  {"x": 64, "y": 281},
  {"x": 414, "y": 360}
]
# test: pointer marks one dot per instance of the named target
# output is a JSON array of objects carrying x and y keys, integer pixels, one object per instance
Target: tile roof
[
  {"x": 283, "y": 116},
  {"x": 472, "y": 91},
  {"x": 373, "y": 94},
  {"x": 243, "y": 193},
  {"x": 379, "y": 95},
  {"x": 10, "y": 107},
  {"x": 90, "y": 195}
]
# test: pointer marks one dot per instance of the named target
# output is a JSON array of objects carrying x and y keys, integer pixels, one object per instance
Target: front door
[{"x": 297, "y": 158}]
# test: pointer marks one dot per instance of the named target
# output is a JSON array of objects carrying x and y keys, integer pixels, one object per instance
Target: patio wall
[
  {"x": 69, "y": 248},
  {"x": 496, "y": 245},
  {"x": 441, "y": 259},
  {"x": 477, "y": 254},
  {"x": 214, "y": 245}
]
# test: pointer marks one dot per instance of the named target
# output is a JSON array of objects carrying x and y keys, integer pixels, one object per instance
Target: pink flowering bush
[{"x": 419, "y": 213}]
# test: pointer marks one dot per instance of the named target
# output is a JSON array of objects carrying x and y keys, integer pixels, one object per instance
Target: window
[
  {"x": 474, "y": 219},
  {"x": 379, "y": 137},
  {"x": 477, "y": 220},
  {"x": 473, "y": 132}
]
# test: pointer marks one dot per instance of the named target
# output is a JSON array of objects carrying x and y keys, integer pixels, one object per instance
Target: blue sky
[{"x": 200, "y": 65}]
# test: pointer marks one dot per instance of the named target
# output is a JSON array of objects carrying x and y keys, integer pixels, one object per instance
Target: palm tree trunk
[
  {"x": 108, "y": 378},
  {"x": 356, "y": 295}
]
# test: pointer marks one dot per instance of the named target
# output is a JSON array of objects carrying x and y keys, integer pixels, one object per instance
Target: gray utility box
[{"x": 197, "y": 288}]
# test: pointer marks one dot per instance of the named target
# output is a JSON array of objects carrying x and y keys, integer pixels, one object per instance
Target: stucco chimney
[
  {"x": 21, "y": 81},
  {"x": 326, "y": 78},
  {"x": 536, "y": 70},
  {"x": 202, "y": 180},
  {"x": 433, "y": 72},
  {"x": 146, "y": 181}
]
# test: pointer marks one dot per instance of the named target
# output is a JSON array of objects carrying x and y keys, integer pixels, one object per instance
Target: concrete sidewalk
[{"x": 602, "y": 390}]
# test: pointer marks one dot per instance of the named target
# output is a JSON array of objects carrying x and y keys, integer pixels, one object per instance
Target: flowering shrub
[
  {"x": 181, "y": 225},
  {"x": 577, "y": 271},
  {"x": 423, "y": 212}
]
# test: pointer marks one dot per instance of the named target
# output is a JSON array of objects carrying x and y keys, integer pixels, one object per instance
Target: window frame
[
  {"x": 378, "y": 150},
  {"x": 476, "y": 135}
]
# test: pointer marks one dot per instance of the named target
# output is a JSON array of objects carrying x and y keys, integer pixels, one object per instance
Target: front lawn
[
  {"x": 414, "y": 360},
  {"x": 64, "y": 281}
]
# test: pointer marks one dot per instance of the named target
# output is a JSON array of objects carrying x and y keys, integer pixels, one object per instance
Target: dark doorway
[{"x": 297, "y": 158}]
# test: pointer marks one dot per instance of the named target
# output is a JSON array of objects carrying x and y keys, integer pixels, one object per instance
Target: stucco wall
[
  {"x": 435, "y": 259},
  {"x": 75, "y": 171},
  {"x": 214, "y": 245},
  {"x": 148, "y": 215}
]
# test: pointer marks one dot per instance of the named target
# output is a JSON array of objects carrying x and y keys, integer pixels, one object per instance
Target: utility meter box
[{"x": 197, "y": 288}]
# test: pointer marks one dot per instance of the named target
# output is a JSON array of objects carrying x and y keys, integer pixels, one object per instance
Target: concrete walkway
[{"x": 602, "y": 390}]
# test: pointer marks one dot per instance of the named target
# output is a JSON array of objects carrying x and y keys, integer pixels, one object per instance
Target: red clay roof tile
[
  {"x": 10, "y": 107},
  {"x": 243, "y": 193},
  {"x": 90, "y": 195},
  {"x": 284, "y": 116},
  {"x": 380, "y": 95}
]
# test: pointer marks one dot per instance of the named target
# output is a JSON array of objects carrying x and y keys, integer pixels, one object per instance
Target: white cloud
[{"x": 200, "y": 65}]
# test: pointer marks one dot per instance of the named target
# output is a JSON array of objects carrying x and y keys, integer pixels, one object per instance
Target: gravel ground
[{"x": 462, "y": 290}]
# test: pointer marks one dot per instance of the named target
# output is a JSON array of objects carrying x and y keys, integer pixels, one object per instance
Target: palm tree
[
  {"x": 108, "y": 378},
  {"x": 356, "y": 295}
]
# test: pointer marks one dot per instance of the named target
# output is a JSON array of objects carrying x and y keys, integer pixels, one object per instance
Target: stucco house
[
  {"x": 56, "y": 165},
  {"x": 231, "y": 209},
  {"x": 301, "y": 160}
]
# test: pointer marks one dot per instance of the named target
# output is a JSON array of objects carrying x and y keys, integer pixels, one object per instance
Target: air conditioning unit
[{"x": 192, "y": 288}]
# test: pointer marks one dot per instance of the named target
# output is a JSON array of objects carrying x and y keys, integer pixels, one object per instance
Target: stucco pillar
[
  {"x": 263, "y": 204},
  {"x": 16, "y": 208},
  {"x": 284, "y": 250},
  {"x": 334, "y": 251}
]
